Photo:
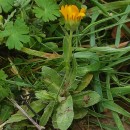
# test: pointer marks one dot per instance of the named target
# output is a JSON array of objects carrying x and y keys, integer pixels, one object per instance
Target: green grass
[{"x": 50, "y": 77}]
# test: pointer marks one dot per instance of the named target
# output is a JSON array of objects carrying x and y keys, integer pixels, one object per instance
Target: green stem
[
  {"x": 69, "y": 56},
  {"x": 67, "y": 48}
]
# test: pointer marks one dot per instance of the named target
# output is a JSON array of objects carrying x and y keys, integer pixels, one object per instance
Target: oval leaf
[
  {"x": 86, "y": 99},
  {"x": 52, "y": 79},
  {"x": 65, "y": 114},
  {"x": 47, "y": 113},
  {"x": 85, "y": 82},
  {"x": 44, "y": 95}
]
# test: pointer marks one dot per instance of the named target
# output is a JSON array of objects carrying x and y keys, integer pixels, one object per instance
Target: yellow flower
[
  {"x": 71, "y": 12},
  {"x": 72, "y": 15}
]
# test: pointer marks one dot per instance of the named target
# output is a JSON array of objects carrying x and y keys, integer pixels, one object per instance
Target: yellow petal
[
  {"x": 75, "y": 9},
  {"x": 64, "y": 12},
  {"x": 81, "y": 13},
  {"x": 69, "y": 11},
  {"x": 83, "y": 10},
  {"x": 75, "y": 12}
]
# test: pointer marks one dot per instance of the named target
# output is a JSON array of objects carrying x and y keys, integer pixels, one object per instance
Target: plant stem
[
  {"x": 69, "y": 55},
  {"x": 67, "y": 58}
]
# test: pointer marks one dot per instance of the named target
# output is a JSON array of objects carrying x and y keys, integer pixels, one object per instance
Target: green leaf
[
  {"x": 37, "y": 106},
  {"x": 18, "y": 82},
  {"x": 80, "y": 113},
  {"x": 100, "y": 6},
  {"x": 21, "y": 3},
  {"x": 126, "y": 99},
  {"x": 116, "y": 108},
  {"x": 65, "y": 114},
  {"x": 6, "y": 111},
  {"x": 47, "y": 113},
  {"x": 72, "y": 75},
  {"x": 120, "y": 91},
  {"x": 98, "y": 88},
  {"x": 52, "y": 79},
  {"x": 44, "y": 95},
  {"x": 50, "y": 47},
  {"x": 16, "y": 33},
  {"x": 96, "y": 114},
  {"x": 4, "y": 92},
  {"x": 47, "y": 10},
  {"x": 105, "y": 126},
  {"x": 54, "y": 122},
  {"x": 86, "y": 99},
  {"x": 93, "y": 35},
  {"x": 85, "y": 82},
  {"x": 74, "y": 70},
  {"x": 91, "y": 62},
  {"x": 6, "y": 5},
  {"x": 3, "y": 75},
  {"x": 118, "y": 32}
]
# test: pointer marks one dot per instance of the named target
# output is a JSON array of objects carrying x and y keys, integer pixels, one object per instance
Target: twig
[
  {"x": 25, "y": 114},
  {"x": 2, "y": 125}
]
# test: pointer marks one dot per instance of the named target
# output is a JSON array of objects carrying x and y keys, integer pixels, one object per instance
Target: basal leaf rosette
[{"x": 72, "y": 16}]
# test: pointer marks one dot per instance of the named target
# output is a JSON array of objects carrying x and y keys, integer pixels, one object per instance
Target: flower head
[
  {"x": 72, "y": 15},
  {"x": 71, "y": 12}
]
